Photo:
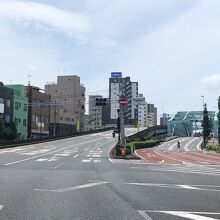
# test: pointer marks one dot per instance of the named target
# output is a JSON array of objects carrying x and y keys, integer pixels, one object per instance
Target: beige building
[
  {"x": 38, "y": 112},
  {"x": 68, "y": 104},
  {"x": 95, "y": 112}
]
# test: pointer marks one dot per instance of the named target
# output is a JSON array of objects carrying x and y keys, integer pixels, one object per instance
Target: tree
[
  {"x": 218, "y": 116},
  {"x": 1, "y": 129},
  {"x": 10, "y": 131},
  {"x": 207, "y": 126}
]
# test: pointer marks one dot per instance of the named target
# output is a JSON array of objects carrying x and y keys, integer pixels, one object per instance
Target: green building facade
[{"x": 20, "y": 110}]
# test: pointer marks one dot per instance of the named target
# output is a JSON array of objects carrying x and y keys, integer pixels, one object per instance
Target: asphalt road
[
  {"x": 75, "y": 179},
  {"x": 189, "y": 153}
]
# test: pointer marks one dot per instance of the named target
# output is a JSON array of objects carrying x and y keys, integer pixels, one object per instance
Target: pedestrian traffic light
[{"x": 100, "y": 101}]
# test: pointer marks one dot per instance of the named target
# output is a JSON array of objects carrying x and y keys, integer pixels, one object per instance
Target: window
[
  {"x": 16, "y": 105},
  {"x": 33, "y": 118},
  {"x": 1, "y": 100},
  {"x": 7, "y": 118},
  {"x": 19, "y": 105},
  {"x": 19, "y": 120},
  {"x": 61, "y": 118},
  {"x": 8, "y": 103},
  {"x": 25, "y": 107},
  {"x": 24, "y": 122}
]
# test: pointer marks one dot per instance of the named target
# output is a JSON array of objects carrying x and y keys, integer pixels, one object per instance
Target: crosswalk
[{"x": 93, "y": 156}]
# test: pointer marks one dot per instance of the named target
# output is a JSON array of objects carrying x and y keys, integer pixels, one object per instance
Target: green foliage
[
  {"x": 218, "y": 116},
  {"x": 1, "y": 129},
  {"x": 10, "y": 131},
  {"x": 143, "y": 144},
  {"x": 214, "y": 148},
  {"x": 1, "y": 83},
  {"x": 207, "y": 125}
]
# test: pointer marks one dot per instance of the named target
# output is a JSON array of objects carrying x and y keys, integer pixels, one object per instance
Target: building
[
  {"x": 152, "y": 115},
  {"x": 141, "y": 111},
  {"x": 38, "y": 112},
  {"x": 164, "y": 119},
  {"x": 20, "y": 110},
  {"x": 95, "y": 112},
  {"x": 68, "y": 98},
  {"x": 89, "y": 123},
  {"x": 6, "y": 104},
  {"x": 119, "y": 86}
]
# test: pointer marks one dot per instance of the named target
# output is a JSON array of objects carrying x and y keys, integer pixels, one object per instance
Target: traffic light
[{"x": 100, "y": 101}]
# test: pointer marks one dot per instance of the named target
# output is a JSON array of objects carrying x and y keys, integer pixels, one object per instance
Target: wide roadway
[{"x": 74, "y": 179}]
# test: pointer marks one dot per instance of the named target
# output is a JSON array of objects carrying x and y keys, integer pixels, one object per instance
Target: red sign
[{"x": 123, "y": 101}]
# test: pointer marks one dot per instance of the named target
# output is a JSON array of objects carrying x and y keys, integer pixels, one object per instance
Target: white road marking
[
  {"x": 97, "y": 161},
  {"x": 1, "y": 206},
  {"x": 189, "y": 215},
  {"x": 86, "y": 161},
  {"x": 76, "y": 156},
  {"x": 174, "y": 186},
  {"x": 59, "y": 165},
  {"x": 199, "y": 145},
  {"x": 144, "y": 215},
  {"x": 187, "y": 187},
  {"x": 47, "y": 178},
  {"x": 83, "y": 186},
  {"x": 86, "y": 149},
  {"x": 31, "y": 158}
]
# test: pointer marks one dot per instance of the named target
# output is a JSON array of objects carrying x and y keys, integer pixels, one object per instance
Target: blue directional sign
[{"x": 116, "y": 74}]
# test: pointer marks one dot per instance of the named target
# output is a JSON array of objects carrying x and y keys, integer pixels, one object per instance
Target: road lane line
[
  {"x": 76, "y": 156},
  {"x": 86, "y": 149},
  {"x": 1, "y": 206},
  {"x": 182, "y": 214},
  {"x": 83, "y": 186},
  {"x": 31, "y": 158},
  {"x": 144, "y": 215},
  {"x": 198, "y": 147},
  {"x": 187, "y": 187},
  {"x": 59, "y": 165}
]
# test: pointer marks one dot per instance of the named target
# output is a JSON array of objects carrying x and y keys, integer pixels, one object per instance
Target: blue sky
[{"x": 171, "y": 47}]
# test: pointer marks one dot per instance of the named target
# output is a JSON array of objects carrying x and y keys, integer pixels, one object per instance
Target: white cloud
[
  {"x": 26, "y": 13},
  {"x": 211, "y": 81}
]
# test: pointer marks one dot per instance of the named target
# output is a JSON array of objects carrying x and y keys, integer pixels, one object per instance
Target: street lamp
[{"x": 203, "y": 100}]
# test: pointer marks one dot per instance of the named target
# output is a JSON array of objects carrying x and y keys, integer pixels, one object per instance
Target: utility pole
[
  {"x": 41, "y": 120},
  {"x": 54, "y": 123}
]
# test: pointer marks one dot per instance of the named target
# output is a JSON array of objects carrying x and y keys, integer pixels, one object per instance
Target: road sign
[
  {"x": 116, "y": 74},
  {"x": 123, "y": 101}
]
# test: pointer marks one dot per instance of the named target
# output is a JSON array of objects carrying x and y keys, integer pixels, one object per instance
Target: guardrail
[{"x": 16, "y": 143}]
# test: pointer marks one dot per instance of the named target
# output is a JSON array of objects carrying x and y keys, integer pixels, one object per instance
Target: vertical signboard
[{"x": 1, "y": 108}]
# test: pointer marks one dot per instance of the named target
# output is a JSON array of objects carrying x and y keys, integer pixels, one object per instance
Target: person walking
[{"x": 178, "y": 145}]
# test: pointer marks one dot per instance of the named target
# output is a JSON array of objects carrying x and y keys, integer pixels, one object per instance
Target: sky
[{"x": 170, "y": 47}]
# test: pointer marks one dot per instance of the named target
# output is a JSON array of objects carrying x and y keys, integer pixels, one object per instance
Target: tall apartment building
[
  {"x": 141, "y": 110},
  {"x": 95, "y": 112},
  {"x": 68, "y": 98},
  {"x": 20, "y": 110},
  {"x": 152, "y": 115},
  {"x": 38, "y": 112},
  {"x": 122, "y": 86}
]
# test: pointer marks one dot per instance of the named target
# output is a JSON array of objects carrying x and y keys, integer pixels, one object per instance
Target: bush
[
  {"x": 214, "y": 148},
  {"x": 143, "y": 144}
]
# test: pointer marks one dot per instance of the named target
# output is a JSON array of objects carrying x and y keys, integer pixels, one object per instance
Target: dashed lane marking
[
  {"x": 76, "y": 156},
  {"x": 59, "y": 165},
  {"x": 182, "y": 214}
]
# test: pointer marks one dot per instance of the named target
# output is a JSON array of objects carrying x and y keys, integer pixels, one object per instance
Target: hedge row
[{"x": 143, "y": 144}]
